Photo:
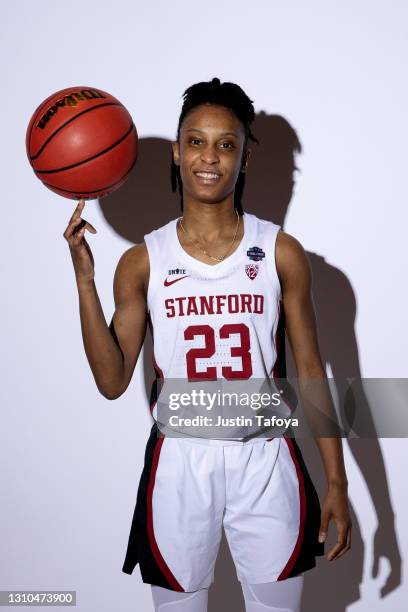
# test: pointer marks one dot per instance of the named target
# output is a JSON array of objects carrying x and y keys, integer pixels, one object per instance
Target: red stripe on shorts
[
  {"x": 150, "y": 531},
  {"x": 302, "y": 499}
]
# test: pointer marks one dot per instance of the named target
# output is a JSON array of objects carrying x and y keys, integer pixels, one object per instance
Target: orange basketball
[{"x": 82, "y": 143}]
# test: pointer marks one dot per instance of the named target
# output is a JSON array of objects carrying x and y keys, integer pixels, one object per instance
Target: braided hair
[{"x": 225, "y": 94}]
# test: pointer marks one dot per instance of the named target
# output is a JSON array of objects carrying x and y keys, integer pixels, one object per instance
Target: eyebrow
[{"x": 223, "y": 134}]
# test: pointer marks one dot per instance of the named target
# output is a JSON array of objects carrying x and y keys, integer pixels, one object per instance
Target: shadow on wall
[{"x": 146, "y": 202}]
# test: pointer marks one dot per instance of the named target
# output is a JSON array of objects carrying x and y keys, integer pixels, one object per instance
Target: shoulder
[
  {"x": 288, "y": 245},
  {"x": 132, "y": 270},
  {"x": 291, "y": 259},
  {"x": 135, "y": 255}
]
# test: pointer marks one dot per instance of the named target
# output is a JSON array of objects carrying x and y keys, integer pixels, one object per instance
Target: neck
[{"x": 209, "y": 220}]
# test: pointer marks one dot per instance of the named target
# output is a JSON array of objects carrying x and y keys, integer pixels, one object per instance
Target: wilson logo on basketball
[
  {"x": 251, "y": 271},
  {"x": 71, "y": 100}
]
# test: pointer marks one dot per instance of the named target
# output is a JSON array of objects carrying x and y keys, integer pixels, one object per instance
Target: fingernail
[{"x": 322, "y": 537}]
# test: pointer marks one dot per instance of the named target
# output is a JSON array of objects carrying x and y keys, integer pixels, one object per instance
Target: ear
[
  {"x": 245, "y": 160},
  {"x": 176, "y": 152}
]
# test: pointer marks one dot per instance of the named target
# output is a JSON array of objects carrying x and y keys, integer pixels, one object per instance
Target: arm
[
  {"x": 113, "y": 351},
  {"x": 296, "y": 280}
]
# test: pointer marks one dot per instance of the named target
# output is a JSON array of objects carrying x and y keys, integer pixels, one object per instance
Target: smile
[{"x": 207, "y": 177}]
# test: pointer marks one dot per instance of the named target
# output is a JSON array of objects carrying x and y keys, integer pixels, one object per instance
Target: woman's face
[{"x": 210, "y": 152}]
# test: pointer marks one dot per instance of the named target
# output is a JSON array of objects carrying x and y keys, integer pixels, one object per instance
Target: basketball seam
[
  {"x": 112, "y": 146},
  {"x": 93, "y": 190},
  {"x": 51, "y": 136}
]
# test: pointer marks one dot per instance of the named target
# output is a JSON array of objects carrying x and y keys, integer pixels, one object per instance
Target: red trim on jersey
[
  {"x": 159, "y": 372},
  {"x": 275, "y": 371},
  {"x": 277, "y": 344},
  {"x": 302, "y": 502},
  {"x": 278, "y": 348},
  {"x": 157, "y": 368},
  {"x": 150, "y": 530}
]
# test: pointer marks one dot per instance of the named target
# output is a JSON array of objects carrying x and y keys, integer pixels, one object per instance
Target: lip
[{"x": 207, "y": 181}]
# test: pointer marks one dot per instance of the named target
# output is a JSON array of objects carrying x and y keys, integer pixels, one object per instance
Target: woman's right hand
[{"x": 81, "y": 253}]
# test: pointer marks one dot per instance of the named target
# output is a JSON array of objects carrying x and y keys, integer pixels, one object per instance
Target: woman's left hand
[{"x": 335, "y": 508}]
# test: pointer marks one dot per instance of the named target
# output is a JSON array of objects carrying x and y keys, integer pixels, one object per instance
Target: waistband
[{"x": 225, "y": 441}]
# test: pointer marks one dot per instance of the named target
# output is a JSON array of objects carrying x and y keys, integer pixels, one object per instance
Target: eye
[
  {"x": 194, "y": 140},
  {"x": 230, "y": 145}
]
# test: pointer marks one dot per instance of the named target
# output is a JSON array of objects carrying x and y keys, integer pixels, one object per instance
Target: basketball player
[{"x": 213, "y": 285}]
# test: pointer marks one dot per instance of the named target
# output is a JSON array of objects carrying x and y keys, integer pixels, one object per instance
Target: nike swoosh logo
[{"x": 167, "y": 283}]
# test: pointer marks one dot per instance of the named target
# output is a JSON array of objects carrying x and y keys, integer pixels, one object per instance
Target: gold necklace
[{"x": 215, "y": 258}]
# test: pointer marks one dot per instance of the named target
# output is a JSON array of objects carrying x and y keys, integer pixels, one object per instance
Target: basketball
[{"x": 82, "y": 143}]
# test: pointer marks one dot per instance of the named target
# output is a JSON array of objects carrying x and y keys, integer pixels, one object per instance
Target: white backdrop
[{"x": 70, "y": 461}]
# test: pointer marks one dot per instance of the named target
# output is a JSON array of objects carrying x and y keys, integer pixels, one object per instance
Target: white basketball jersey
[{"x": 214, "y": 321}]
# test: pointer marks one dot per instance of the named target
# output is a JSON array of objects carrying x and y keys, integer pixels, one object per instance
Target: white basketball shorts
[{"x": 259, "y": 491}]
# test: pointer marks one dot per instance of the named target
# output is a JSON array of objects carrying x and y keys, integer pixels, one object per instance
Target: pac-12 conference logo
[{"x": 251, "y": 271}]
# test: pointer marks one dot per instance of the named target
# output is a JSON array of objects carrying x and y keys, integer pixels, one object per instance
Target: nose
[{"x": 209, "y": 154}]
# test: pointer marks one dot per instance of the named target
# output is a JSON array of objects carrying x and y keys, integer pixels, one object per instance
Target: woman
[{"x": 213, "y": 285}]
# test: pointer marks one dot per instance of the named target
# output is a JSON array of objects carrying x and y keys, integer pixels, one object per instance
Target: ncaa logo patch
[
  {"x": 255, "y": 253},
  {"x": 251, "y": 271}
]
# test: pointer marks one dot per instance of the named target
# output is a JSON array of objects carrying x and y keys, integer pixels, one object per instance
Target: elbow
[
  {"x": 110, "y": 395},
  {"x": 111, "y": 389}
]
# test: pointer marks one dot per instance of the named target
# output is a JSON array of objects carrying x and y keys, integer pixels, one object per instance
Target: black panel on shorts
[
  {"x": 310, "y": 547},
  {"x": 138, "y": 550}
]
